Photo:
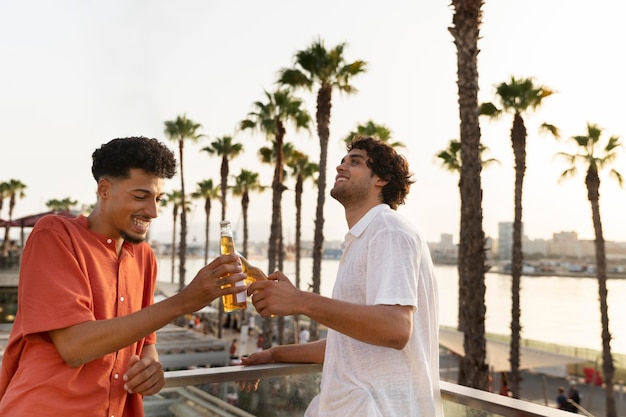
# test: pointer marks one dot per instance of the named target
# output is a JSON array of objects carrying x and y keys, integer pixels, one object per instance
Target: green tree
[
  {"x": 450, "y": 157},
  {"x": 301, "y": 169},
  {"x": 245, "y": 182},
  {"x": 61, "y": 205},
  {"x": 473, "y": 371},
  {"x": 271, "y": 117},
  {"x": 4, "y": 193},
  {"x": 370, "y": 128},
  {"x": 208, "y": 192},
  {"x": 518, "y": 96},
  {"x": 227, "y": 149},
  {"x": 268, "y": 155},
  {"x": 14, "y": 189},
  {"x": 174, "y": 199},
  {"x": 596, "y": 154},
  {"x": 180, "y": 130},
  {"x": 327, "y": 69}
]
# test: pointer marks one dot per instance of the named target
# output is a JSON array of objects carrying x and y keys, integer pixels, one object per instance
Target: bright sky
[{"x": 78, "y": 73}]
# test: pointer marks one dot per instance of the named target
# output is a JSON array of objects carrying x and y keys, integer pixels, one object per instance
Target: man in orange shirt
[{"x": 83, "y": 341}]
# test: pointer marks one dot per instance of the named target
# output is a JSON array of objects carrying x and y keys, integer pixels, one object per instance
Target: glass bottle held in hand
[
  {"x": 254, "y": 273},
  {"x": 231, "y": 302}
]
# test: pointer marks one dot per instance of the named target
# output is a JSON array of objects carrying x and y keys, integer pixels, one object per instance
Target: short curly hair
[
  {"x": 388, "y": 165},
  {"x": 117, "y": 157}
]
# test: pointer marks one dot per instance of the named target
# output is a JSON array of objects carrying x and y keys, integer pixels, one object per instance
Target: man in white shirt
[
  {"x": 304, "y": 335},
  {"x": 381, "y": 356}
]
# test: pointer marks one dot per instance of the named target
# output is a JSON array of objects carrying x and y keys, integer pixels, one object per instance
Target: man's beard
[
  {"x": 349, "y": 196},
  {"x": 132, "y": 239}
]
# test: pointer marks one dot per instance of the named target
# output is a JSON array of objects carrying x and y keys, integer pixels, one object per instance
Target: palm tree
[
  {"x": 518, "y": 96},
  {"x": 302, "y": 169},
  {"x": 370, "y": 128},
  {"x": 328, "y": 69},
  {"x": 179, "y": 131},
  {"x": 270, "y": 118},
  {"x": 208, "y": 192},
  {"x": 473, "y": 370},
  {"x": 61, "y": 205},
  {"x": 228, "y": 150},
  {"x": 175, "y": 199},
  {"x": 596, "y": 156},
  {"x": 450, "y": 159},
  {"x": 4, "y": 193},
  {"x": 14, "y": 189},
  {"x": 245, "y": 182}
]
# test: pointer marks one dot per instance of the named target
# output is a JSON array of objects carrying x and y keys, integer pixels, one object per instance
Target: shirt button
[
  {"x": 109, "y": 241},
  {"x": 116, "y": 376},
  {"x": 122, "y": 299}
]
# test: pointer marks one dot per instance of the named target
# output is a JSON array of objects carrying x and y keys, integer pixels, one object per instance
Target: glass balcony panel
[{"x": 286, "y": 390}]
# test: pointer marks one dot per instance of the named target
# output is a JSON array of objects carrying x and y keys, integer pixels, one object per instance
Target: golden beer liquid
[
  {"x": 231, "y": 302},
  {"x": 254, "y": 273}
]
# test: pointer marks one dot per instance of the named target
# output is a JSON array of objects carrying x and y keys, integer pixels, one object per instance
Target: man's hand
[
  {"x": 275, "y": 296},
  {"x": 257, "y": 358},
  {"x": 213, "y": 281},
  {"x": 144, "y": 376}
]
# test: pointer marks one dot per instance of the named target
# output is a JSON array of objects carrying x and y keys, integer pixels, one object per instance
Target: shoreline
[{"x": 564, "y": 274}]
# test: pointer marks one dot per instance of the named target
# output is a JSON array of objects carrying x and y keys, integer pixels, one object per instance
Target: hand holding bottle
[
  {"x": 237, "y": 301},
  {"x": 276, "y": 296}
]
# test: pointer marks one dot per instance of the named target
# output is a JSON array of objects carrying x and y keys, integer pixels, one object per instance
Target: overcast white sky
[{"x": 77, "y": 73}]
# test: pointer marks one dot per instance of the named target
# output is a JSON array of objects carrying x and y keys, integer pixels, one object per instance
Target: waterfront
[{"x": 559, "y": 310}]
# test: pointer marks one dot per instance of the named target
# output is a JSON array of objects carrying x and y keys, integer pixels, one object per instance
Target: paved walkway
[
  {"x": 543, "y": 389},
  {"x": 537, "y": 388}
]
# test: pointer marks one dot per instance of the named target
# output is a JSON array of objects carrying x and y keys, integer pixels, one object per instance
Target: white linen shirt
[{"x": 384, "y": 261}]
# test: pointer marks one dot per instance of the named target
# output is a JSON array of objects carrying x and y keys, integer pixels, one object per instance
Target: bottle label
[{"x": 240, "y": 296}]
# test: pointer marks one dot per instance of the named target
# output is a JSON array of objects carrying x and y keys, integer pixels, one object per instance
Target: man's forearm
[{"x": 312, "y": 352}]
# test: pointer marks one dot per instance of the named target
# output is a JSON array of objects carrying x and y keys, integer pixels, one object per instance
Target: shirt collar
[
  {"x": 362, "y": 224},
  {"x": 108, "y": 242}
]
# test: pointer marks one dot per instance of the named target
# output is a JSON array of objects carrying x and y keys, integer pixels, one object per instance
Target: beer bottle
[
  {"x": 231, "y": 302},
  {"x": 253, "y": 273}
]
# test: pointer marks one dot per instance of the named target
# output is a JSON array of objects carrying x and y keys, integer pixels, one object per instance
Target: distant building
[{"x": 505, "y": 240}]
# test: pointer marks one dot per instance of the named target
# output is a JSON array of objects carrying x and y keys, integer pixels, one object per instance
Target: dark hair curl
[
  {"x": 117, "y": 157},
  {"x": 389, "y": 166}
]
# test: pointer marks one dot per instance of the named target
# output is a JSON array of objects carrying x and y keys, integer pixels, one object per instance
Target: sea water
[{"x": 559, "y": 310}]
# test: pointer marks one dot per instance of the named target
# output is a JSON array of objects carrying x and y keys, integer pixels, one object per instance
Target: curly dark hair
[
  {"x": 117, "y": 157},
  {"x": 388, "y": 165}
]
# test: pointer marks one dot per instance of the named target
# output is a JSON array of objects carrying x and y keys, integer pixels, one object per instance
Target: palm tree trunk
[
  {"x": 473, "y": 370},
  {"x": 275, "y": 243},
  {"x": 298, "y": 189},
  {"x": 207, "y": 213},
  {"x": 518, "y": 138},
  {"x": 224, "y": 184},
  {"x": 245, "y": 202},
  {"x": 183, "y": 223},
  {"x": 324, "y": 97},
  {"x": 593, "y": 187},
  {"x": 175, "y": 215}
]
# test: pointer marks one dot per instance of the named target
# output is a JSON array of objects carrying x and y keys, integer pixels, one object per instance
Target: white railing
[{"x": 459, "y": 396}]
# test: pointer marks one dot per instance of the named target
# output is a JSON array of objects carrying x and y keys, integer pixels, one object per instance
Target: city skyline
[{"x": 77, "y": 74}]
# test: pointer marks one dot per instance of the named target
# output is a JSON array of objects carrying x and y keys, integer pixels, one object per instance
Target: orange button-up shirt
[{"x": 70, "y": 275}]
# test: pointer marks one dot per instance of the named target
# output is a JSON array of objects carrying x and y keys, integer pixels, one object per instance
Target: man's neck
[{"x": 353, "y": 215}]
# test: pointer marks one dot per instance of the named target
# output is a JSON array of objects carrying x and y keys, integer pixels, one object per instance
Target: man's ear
[
  {"x": 104, "y": 188},
  {"x": 380, "y": 182}
]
